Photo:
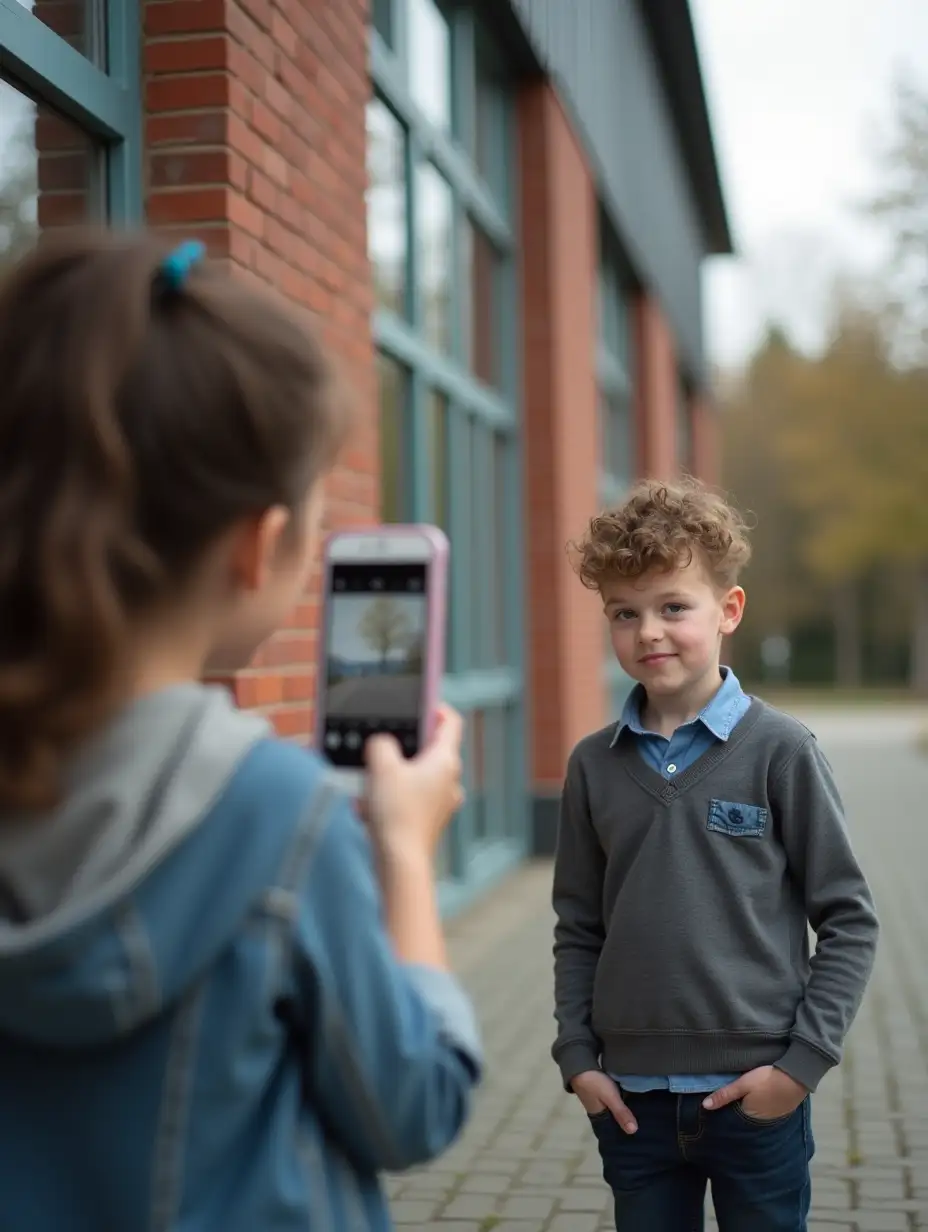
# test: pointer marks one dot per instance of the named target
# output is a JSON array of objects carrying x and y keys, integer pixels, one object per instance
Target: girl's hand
[{"x": 409, "y": 803}]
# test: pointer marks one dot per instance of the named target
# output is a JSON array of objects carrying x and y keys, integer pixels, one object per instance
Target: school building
[{"x": 498, "y": 210}]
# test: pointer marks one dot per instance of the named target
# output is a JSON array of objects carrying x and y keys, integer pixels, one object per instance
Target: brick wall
[
  {"x": 559, "y": 264},
  {"x": 255, "y": 143}
]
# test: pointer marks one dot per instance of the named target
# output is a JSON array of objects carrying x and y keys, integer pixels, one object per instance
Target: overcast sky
[{"x": 799, "y": 93}]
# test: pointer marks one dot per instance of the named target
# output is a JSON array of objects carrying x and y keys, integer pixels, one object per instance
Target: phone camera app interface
[{"x": 375, "y": 657}]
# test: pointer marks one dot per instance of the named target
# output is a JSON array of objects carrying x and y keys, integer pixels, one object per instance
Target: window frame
[
  {"x": 478, "y": 418},
  {"x": 106, "y": 105}
]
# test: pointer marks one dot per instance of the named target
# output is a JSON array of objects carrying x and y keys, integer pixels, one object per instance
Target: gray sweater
[{"x": 683, "y": 907}]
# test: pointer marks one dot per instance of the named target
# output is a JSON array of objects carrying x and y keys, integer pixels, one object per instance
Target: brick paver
[{"x": 528, "y": 1162}]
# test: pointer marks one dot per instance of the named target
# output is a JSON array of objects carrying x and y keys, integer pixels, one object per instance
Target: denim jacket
[{"x": 202, "y": 1024}]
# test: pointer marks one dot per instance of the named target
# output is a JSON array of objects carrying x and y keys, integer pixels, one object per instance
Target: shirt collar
[{"x": 717, "y": 716}]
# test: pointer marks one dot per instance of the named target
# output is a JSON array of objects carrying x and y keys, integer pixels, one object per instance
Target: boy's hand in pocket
[
  {"x": 597, "y": 1092},
  {"x": 766, "y": 1093}
]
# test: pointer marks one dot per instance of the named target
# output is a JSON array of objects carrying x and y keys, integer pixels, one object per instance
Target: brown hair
[
  {"x": 137, "y": 424},
  {"x": 663, "y": 526}
]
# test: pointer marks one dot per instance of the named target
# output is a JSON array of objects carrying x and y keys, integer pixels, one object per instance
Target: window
[
  {"x": 435, "y": 239},
  {"x": 614, "y": 369},
  {"x": 386, "y": 206},
  {"x": 69, "y": 140},
  {"x": 51, "y": 173},
  {"x": 382, "y": 14},
  {"x": 492, "y": 140},
  {"x": 443, "y": 262},
  {"x": 485, "y": 326},
  {"x": 394, "y": 384},
  {"x": 430, "y": 61},
  {"x": 81, "y": 23}
]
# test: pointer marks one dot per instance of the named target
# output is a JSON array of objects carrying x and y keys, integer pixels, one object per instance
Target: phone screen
[{"x": 374, "y": 657}]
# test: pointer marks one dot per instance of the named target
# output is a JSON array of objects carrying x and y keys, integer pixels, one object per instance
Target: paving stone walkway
[{"x": 528, "y": 1162}]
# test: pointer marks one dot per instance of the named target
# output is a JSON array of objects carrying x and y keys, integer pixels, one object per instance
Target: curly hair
[{"x": 663, "y": 526}]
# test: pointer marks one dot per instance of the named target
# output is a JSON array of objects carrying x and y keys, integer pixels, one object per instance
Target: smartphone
[{"x": 382, "y": 649}]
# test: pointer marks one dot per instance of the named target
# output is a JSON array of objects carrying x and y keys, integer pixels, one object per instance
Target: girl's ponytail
[{"x": 137, "y": 422}]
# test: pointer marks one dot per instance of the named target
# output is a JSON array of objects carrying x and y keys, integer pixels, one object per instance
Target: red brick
[
  {"x": 184, "y": 17},
  {"x": 190, "y": 128},
  {"x": 185, "y": 168},
  {"x": 188, "y": 205},
  {"x": 187, "y": 55},
  {"x": 188, "y": 92},
  {"x": 293, "y": 724}
]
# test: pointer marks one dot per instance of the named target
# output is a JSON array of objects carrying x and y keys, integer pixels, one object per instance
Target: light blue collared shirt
[{"x": 670, "y": 757}]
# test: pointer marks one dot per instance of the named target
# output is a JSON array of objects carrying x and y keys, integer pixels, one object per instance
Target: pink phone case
[{"x": 436, "y": 590}]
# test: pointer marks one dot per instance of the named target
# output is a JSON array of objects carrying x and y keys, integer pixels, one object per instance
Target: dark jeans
[{"x": 758, "y": 1170}]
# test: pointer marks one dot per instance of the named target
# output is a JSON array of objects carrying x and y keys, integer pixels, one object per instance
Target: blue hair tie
[{"x": 175, "y": 268}]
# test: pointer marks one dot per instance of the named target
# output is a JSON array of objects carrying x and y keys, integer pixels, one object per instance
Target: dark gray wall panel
[{"x": 601, "y": 59}]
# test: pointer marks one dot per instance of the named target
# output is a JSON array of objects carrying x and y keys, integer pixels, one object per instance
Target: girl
[{"x": 212, "y": 1017}]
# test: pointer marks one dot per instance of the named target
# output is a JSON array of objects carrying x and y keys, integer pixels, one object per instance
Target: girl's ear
[{"x": 256, "y": 542}]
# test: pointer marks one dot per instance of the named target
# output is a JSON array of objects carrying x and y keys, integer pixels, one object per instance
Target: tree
[
  {"x": 782, "y": 591},
  {"x": 901, "y": 209},
  {"x": 385, "y": 626},
  {"x": 855, "y": 448}
]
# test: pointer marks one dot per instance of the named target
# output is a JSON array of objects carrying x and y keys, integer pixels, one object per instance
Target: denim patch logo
[{"x": 737, "y": 820}]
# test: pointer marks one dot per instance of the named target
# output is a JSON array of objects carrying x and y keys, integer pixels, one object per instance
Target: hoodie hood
[{"x": 68, "y": 879}]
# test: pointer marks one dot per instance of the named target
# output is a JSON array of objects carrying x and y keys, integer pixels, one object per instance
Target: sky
[{"x": 800, "y": 95}]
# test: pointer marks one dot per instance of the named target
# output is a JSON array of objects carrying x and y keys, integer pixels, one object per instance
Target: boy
[{"x": 699, "y": 837}]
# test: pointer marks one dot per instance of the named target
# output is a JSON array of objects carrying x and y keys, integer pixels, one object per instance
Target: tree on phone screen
[{"x": 386, "y": 627}]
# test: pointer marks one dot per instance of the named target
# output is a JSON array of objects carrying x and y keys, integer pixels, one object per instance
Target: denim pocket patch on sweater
[{"x": 737, "y": 820}]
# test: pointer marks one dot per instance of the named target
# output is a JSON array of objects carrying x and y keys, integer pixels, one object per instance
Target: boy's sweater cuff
[
  {"x": 576, "y": 1058},
  {"x": 805, "y": 1063}
]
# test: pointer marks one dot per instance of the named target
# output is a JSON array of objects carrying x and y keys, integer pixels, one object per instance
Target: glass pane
[
  {"x": 481, "y": 544},
  {"x": 619, "y": 450},
  {"x": 437, "y": 413},
  {"x": 386, "y": 206},
  {"x": 435, "y": 249},
  {"x": 476, "y": 787},
  {"x": 495, "y": 760},
  {"x": 382, "y": 12},
  {"x": 443, "y": 861},
  {"x": 615, "y": 322},
  {"x": 394, "y": 386},
  {"x": 485, "y": 317},
  {"x": 81, "y": 23},
  {"x": 51, "y": 174},
  {"x": 514, "y": 800},
  {"x": 498, "y": 540},
  {"x": 430, "y": 61},
  {"x": 491, "y": 136}
]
